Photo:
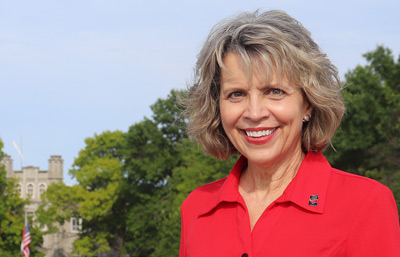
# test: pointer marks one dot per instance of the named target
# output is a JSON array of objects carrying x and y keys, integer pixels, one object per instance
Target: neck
[{"x": 270, "y": 181}]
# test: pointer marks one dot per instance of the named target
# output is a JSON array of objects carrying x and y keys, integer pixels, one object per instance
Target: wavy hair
[{"x": 275, "y": 43}]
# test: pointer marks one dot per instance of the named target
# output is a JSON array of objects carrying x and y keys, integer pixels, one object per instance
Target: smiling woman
[{"x": 263, "y": 88}]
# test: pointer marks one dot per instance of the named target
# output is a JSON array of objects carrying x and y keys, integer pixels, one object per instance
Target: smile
[{"x": 260, "y": 133}]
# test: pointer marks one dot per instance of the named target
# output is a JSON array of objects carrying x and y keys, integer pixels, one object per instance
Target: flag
[{"x": 26, "y": 239}]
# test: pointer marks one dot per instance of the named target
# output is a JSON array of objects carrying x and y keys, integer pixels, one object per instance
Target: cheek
[
  {"x": 290, "y": 121},
  {"x": 286, "y": 114},
  {"x": 291, "y": 111},
  {"x": 229, "y": 115},
  {"x": 223, "y": 116}
]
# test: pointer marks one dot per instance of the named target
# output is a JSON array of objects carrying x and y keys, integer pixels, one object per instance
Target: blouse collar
[{"x": 308, "y": 189}]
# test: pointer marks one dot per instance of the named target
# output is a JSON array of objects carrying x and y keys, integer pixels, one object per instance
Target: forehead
[{"x": 236, "y": 67}]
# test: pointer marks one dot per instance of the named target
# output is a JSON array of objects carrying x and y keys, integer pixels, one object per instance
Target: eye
[
  {"x": 276, "y": 93},
  {"x": 236, "y": 96}
]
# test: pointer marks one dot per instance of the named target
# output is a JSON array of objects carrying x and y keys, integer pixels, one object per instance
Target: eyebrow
[{"x": 269, "y": 83}]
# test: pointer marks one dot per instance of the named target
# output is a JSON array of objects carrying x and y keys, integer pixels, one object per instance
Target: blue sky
[{"x": 70, "y": 69}]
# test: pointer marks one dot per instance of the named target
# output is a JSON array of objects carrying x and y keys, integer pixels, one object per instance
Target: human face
[{"x": 263, "y": 119}]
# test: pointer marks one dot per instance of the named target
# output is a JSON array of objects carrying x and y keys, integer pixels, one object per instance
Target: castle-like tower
[{"x": 32, "y": 183}]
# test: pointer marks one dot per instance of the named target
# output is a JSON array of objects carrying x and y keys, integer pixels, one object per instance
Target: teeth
[{"x": 260, "y": 133}]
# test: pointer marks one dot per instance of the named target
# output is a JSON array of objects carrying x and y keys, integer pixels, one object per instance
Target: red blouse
[{"x": 323, "y": 212}]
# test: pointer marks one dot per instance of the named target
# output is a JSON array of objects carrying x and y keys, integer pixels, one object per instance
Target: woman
[{"x": 264, "y": 89}]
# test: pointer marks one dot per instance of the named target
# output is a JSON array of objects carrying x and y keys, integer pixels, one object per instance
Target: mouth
[{"x": 259, "y": 133}]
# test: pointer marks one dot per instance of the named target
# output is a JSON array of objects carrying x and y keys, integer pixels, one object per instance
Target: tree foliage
[
  {"x": 96, "y": 198},
  {"x": 152, "y": 153},
  {"x": 368, "y": 140}
]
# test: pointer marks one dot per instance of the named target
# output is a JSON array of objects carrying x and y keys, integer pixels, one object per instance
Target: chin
[{"x": 262, "y": 158}]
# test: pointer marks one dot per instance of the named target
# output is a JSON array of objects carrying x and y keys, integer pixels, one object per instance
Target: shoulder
[
  {"x": 203, "y": 194},
  {"x": 360, "y": 196},
  {"x": 356, "y": 184},
  {"x": 208, "y": 196},
  {"x": 369, "y": 209}
]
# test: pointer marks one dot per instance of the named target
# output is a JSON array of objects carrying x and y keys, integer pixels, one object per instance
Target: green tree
[
  {"x": 151, "y": 154},
  {"x": 368, "y": 140},
  {"x": 97, "y": 199},
  {"x": 98, "y": 170},
  {"x": 167, "y": 114},
  {"x": 12, "y": 218},
  {"x": 60, "y": 202},
  {"x": 196, "y": 169}
]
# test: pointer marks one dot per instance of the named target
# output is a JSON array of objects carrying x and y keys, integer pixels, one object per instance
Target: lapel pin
[{"x": 313, "y": 200}]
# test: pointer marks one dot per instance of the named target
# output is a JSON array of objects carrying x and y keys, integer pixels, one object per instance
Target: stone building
[{"x": 33, "y": 182}]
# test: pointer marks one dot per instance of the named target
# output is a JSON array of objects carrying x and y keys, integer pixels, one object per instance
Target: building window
[
  {"x": 19, "y": 189},
  {"x": 29, "y": 190},
  {"x": 76, "y": 224},
  {"x": 42, "y": 188}
]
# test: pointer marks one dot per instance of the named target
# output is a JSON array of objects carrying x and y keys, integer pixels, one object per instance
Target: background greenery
[{"x": 131, "y": 184}]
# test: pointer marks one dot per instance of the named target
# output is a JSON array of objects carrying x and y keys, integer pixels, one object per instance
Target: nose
[{"x": 256, "y": 109}]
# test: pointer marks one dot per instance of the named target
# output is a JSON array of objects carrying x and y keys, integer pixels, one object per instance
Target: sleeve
[
  {"x": 376, "y": 230},
  {"x": 182, "y": 247}
]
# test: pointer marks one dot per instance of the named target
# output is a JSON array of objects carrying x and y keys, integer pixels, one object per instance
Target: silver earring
[{"x": 306, "y": 118}]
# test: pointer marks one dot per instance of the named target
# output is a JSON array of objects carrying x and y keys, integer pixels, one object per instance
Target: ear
[
  {"x": 307, "y": 107},
  {"x": 307, "y": 112}
]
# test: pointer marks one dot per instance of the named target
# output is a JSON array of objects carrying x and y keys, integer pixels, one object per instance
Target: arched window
[
  {"x": 42, "y": 188},
  {"x": 19, "y": 189},
  {"x": 76, "y": 224},
  {"x": 29, "y": 189}
]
